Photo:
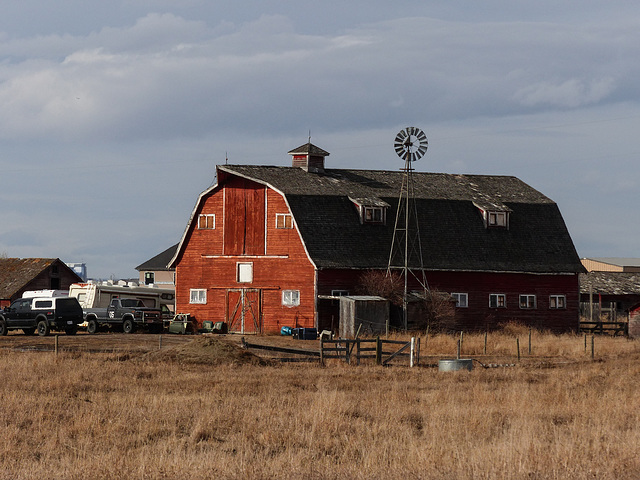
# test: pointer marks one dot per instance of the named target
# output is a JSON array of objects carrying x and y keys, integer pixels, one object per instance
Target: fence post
[
  {"x": 485, "y": 342},
  {"x": 347, "y": 353},
  {"x": 55, "y": 343},
  {"x": 529, "y": 341},
  {"x": 518, "y": 347},
  {"x": 458, "y": 351},
  {"x": 378, "y": 351},
  {"x": 413, "y": 346},
  {"x": 322, "y": 350},
  {"x": 461, "y": 340},
  {"x": 593, "y": 346},
  {"x": 426, "y": 338},
  {"x": 418, "y": 352}
]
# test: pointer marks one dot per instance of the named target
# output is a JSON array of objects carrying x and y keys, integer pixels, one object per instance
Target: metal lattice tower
[{"x": 406, "y": 248}]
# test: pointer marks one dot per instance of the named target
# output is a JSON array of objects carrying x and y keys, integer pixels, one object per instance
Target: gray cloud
[{"x": 121, "y": 123}]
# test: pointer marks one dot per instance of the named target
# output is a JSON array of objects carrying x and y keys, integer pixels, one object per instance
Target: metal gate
[{"x": 244, "y": 310}]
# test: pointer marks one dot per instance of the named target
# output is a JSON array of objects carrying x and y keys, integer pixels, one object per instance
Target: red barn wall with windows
[
  {"x": 245, "y": 233},
  {"x": 479, "y": 285}
]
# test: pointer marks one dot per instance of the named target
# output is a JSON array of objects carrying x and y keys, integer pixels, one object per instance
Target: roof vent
[{"x": 309, "y": 157}]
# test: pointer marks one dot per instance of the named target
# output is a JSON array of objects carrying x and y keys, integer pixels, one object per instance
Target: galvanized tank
[{"x": 455, "y": 364}]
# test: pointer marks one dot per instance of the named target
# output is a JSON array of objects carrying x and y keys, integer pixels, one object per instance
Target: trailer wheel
[
  {"x": 43, "y": 328},
  {"x": 128, "y": 326},
  {"x": 3, "y": 327},
  {"x": 92, "y": 326}
]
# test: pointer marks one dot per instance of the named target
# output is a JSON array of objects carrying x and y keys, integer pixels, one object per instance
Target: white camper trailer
[{"x": 99, "y": 295}]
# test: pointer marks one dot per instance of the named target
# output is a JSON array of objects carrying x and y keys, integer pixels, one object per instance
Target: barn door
[{"x": 244, "y": 312}]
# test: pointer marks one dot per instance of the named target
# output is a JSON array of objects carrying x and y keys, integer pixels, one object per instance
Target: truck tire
[
  {"x": 43, "y": 328},
  {"x": 128, "y": 326},
  {"x": 92, "y": 326},
  {"x": 3, "y": 327},
  {"x": 29, "y": 331}
]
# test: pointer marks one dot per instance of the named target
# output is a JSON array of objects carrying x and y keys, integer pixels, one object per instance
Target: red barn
[{"x": 268, "y": 246}]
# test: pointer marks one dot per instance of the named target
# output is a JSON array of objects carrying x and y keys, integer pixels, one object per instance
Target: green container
[{"x": 178, "y": 327}]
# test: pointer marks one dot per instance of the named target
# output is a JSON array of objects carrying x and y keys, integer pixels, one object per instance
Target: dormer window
[
  {"x": 371, "y": 210},
  {"x": 373, "y": 215},
  {"x": 497, "y": 219},
  {"x": 494, "y": 215}
]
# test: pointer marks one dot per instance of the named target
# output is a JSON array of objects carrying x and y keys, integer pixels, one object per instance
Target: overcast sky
[{"x": 114, "y": 114}]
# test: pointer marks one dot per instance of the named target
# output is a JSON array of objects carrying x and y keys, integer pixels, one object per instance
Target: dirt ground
[{"x": 141, "y": 342}]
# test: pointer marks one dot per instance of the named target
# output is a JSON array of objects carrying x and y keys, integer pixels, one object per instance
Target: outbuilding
[{"x": 18, "y": 275}]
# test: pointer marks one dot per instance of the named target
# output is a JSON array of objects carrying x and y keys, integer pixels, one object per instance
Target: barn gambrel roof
[{"x": 452, "y": 231}]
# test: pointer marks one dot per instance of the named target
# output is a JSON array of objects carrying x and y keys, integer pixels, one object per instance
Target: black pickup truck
[
  {"x": 42, "y": 315},
  {"x": 128, "y": 314}
]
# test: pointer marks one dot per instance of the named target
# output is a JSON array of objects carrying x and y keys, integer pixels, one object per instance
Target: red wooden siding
[
  {"x": 478, "y": 315},
  {"x": 277, "y": 255},
  {"x": 244, "y": 226}
]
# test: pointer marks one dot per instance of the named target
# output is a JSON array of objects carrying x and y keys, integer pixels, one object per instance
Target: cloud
[
  {"x": 165, "y": 75},
  {"x": 122, "y": 123},
  {"x": 571, "y": 93}
]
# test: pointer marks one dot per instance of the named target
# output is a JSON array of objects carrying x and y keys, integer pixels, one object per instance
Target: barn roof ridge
[{"x": 487, "y": 191}]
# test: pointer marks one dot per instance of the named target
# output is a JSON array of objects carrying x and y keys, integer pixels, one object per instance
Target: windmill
[{"x": 406, "y": 250}]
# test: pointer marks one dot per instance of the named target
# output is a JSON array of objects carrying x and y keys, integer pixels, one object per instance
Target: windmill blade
[{"x": 422, "y": 137}]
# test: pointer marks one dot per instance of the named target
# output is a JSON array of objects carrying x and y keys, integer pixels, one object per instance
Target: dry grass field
[{"x": 201, "y": 408}]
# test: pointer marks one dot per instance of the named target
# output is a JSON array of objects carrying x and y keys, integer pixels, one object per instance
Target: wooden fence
[
  {"x": 614, "y": 328},
  {"x": 383, "y": 351},
  {"x": 373, "y": 348}
]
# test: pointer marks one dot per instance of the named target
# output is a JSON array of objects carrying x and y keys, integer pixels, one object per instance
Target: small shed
[
  {"x": 634, "y": 321},
  {"x": 371, "y": 312}
]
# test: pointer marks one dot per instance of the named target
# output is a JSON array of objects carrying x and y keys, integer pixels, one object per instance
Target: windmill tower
[{"x": 406, "y": 250}]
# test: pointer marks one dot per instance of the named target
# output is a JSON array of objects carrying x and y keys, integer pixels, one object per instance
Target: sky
[{"x": 113, "y": 115}]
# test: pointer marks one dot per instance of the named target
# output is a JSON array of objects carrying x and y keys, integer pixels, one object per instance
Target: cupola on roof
[{"x": 309, "y": 157}]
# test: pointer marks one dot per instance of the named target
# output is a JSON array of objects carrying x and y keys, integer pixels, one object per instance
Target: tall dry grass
[{"x": 114, "y": 416}]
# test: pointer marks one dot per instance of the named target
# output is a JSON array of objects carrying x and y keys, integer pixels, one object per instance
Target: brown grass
[{"x": 118, "y": 415}]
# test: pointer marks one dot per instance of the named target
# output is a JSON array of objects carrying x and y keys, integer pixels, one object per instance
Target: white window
[
  {"x": 497, "y": 219},
  {"x": 557, "y": 301},
  {"x": 527, "y": 301},
  {"x": 373, "y": 214},
  {"x": 245, "y": 272},
  {"x": 284, "y": 220},
  {"x": 291, "y": 298},
  {"x": 207, "y": 221},
  {"x": 462, "y": 299},
  {"x": 497, "y": 300},
  {"x": 198, "y": 295}
]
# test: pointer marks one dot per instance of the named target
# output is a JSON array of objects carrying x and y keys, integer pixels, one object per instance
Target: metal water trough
[{"x": 455, "y": 364}]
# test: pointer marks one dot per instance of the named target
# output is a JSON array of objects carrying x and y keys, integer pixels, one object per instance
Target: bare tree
[
  {"x": 383, "y": 284},
  {"x": 434, "y": 309}
]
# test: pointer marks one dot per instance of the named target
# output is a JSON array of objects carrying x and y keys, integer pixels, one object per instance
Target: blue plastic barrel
[{"x": 285, "y": 331}]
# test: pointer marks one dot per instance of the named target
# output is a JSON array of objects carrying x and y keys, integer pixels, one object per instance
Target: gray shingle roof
[
  {"x": 610, "y": 283},
  {"x": 160, "y": 261},
  {"x": 452, "y": 232},
  {"x": 309, "y": 148},
  {"x": 15, "y": 273}
]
